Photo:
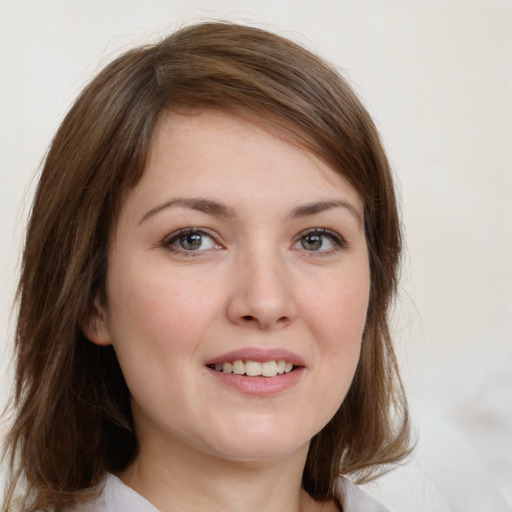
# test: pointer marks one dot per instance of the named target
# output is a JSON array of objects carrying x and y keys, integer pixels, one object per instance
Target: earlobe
[{"x": 95, "y": 325}]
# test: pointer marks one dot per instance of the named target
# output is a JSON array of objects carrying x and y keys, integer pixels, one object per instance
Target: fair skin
[{"x": 235, "y": 247}]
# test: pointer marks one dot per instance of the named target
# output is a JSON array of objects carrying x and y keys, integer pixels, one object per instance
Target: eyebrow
[
  {"x": 194, "y": 203},
  {"x": 215, "y": 208},
  {"x": 322, "y": 206}
]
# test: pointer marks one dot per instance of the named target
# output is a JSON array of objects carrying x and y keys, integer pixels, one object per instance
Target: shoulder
[{"x": 354, "y": 499}]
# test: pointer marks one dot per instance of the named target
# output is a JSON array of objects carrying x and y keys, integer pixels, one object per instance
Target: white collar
[
  {"x": 354, "y": 499},
  {"x": 118, "y": 497}
]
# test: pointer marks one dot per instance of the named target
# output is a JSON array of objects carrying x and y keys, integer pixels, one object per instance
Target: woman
[{"x": 207, "y": 274}]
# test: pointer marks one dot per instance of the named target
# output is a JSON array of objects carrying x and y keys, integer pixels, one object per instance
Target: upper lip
[{"x": 258, "y": 354}]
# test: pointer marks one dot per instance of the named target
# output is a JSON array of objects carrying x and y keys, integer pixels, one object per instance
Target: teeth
[
  {"x": 269, "y": 369},
  {"x": 255, "y": 368},
  {"x": 252, "y": 368},
  {"x": 238, "y": 367}
]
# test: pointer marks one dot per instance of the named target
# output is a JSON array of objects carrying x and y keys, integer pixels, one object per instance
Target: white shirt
[{"x": 118, "y": 497}]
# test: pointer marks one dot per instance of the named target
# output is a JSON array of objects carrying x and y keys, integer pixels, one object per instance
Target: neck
[{"x": 187, "y": 480}]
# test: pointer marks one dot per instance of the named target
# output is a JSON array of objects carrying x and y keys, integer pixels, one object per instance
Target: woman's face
[{"x": 236, "y": 254}]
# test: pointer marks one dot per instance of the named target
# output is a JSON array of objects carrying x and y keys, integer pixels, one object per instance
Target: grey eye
[
  {"x": 319, "y": 240},
  {"x": 191, "y": 242},
  {"x": 312, "y": 242}
]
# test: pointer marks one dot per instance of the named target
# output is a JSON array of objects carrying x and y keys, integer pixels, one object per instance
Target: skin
[{"x": 255, "y": 279}]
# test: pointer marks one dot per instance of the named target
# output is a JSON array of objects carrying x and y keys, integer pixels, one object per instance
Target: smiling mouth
[{"x": 254, "y": 368}]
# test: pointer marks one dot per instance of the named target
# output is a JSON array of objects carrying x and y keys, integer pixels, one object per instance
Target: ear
[{"x": 95, "y": 326}]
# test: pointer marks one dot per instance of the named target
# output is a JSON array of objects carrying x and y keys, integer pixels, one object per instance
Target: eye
[
  {"x": 191, "y": 240},
  {"x": 319, "y": 240}
]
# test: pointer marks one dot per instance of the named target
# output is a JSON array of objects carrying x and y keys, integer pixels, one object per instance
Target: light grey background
[{"x": 437, "y": 77}]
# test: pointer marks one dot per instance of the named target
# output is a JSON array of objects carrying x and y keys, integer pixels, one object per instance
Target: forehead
[
  {"x": 241, "y": 160},
  {"x": 190, "y": 132}
]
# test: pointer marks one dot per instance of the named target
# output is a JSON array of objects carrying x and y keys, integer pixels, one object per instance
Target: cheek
[
  {"x": 337, "y": 316},
  {"x": 157, "y": 320},
  {"x": 337, "y": 307},
  {"x": 160, "y": 307}
]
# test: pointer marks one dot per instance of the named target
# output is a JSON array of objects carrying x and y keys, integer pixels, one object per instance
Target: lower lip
[{"x": 259, "y": 386}]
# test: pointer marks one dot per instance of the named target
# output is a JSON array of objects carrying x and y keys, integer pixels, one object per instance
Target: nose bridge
[{"x": 263, "y": 292}]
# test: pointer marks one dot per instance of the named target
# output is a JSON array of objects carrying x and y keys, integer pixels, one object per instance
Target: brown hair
[{"x": 72, "y": 410}]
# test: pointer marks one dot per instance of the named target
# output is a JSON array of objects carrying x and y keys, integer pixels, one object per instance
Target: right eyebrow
[{"x": 194, "y": 203}]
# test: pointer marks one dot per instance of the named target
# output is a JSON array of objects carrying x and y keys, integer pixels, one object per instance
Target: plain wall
[{"x": 437, "y": 77}]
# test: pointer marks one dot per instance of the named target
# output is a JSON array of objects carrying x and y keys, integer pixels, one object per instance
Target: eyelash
[
  {"x": 338, "y": 241},
  {"x": 335, "y": 238},
  {"x": 181, "y": 233}
]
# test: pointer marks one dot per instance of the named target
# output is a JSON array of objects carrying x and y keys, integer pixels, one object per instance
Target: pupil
[
  {"x": 312, "y": 242},
  {"x": 191, "y": 242}
]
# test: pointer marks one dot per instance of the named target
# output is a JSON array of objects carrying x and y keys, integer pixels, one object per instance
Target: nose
[{"x": 262, "y": 293}]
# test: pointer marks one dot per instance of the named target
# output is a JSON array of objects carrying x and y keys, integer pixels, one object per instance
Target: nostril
[{"x": 254, "y": 319}]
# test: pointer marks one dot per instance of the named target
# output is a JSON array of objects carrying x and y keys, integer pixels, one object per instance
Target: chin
[
  {"x": 261, "y": 451},
  {"x": 268, "y": 442}
]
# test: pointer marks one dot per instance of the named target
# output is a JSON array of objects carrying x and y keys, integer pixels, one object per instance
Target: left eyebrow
[{"x": 322, "y": 206}]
